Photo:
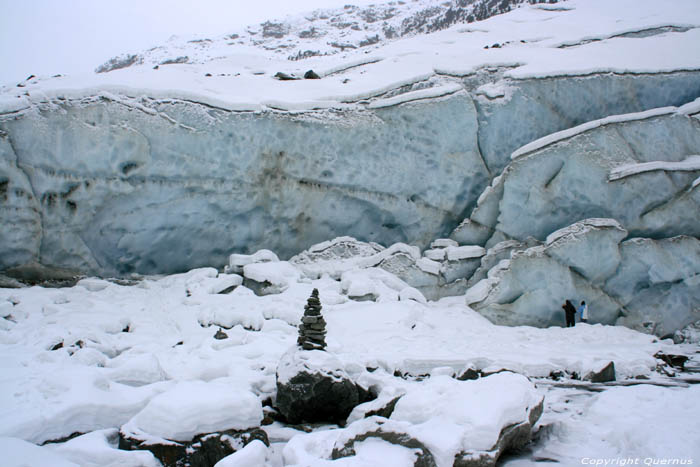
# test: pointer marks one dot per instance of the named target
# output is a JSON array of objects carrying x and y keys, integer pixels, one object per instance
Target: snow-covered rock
[
  {"x": 193, "y": 408},
  {"x": 270, "y": 277},
  {"x": 313, "y": 386},
  {"x": 442, "y": 420},
  {"x": 236, "y": 261}
]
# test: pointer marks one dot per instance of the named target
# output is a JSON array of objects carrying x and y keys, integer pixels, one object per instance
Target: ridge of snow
[
  {"x": 689, "y": 164},
  {"x": 434, "y": 92},
  {"x": 582, "y": 227},
  {"x": 577, "y": 130}
]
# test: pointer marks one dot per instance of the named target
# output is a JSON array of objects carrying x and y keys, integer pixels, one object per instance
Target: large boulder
[
  {"x": 195, "y": 423},
  {"x": 312, "y": 386},
  {"x": 444, "y": 421}
]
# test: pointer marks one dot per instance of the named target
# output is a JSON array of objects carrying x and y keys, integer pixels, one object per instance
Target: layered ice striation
[
  {"x": 112, "y": 185},
  {"x": 567, "y": 177}
]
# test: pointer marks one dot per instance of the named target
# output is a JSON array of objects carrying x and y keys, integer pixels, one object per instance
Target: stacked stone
[{"x": 312, "y": 331}]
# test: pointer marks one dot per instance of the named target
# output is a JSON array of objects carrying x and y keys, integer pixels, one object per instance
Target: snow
[
  {"x": 281, "y": 274},
  {"x": 615, "y": 425},
  {"x": 236, "y": 261},
  {"x": 437, "y": 91},
  {"x": 143, "y": 358},
  {"x": 167, "y": 378},
  {"x": 241, "y": 75},
  {"x": 691, "y": 163},
  {"x": 466, "y": 414},
  {"x": 254, "y": 454},
  {"x": 195, "y": 407},
  {"x": 442, "y": 243},
  {"x": 19, "y": 453},
  {"x": 465, "y": 252},
  {"x": 577, "y": 130},
  {"x": 99, "y": 448}
]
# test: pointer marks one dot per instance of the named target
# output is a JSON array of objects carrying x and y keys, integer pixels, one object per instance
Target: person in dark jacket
[{"x": 570, "y": 312}]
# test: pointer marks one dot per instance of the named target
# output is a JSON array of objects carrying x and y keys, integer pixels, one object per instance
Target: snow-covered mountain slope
[
  {"x": 515, "y": 123},
  {"x": 327, "y": 31},
  {"x": 575, "y": 37}
]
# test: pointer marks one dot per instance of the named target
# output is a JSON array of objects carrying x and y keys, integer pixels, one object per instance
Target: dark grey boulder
[
  {"x": 318, "y": 397},
  {"x": 312, "y": 386},
  {"x": 605, "y": 375},
  {"x": 204, "y": 450}
]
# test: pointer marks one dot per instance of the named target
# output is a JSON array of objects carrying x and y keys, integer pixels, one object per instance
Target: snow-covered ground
[
  {"x": 576, "y": 37},
  {"x": 100, "y": 356},
  {"x": 142, "y": 357}
]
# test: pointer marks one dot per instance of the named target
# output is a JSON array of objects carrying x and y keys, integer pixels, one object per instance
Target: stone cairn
[{"x": 312, "y": 331}]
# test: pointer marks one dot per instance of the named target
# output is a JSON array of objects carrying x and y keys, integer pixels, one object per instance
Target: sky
[{"x": 47, "y": 37}]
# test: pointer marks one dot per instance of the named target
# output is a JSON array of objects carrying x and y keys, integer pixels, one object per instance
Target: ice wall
[
  {"x": 124, "y": 185},
  {"x": 649, "y": 285},
  {"x": 570, "y": 179},
  {"x": 111, "y": 185},
  {"x": 513, "y": 113}
]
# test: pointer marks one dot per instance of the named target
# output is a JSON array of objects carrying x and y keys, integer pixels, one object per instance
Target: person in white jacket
[{"x": 583, "y": 312}]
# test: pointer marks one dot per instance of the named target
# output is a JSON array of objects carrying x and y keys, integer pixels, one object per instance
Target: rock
[
  {"x": 512, "y": 437},
  {"x": 220, "y": 334},
  {"x": 237, "y": 261},
  {"x": 285, "y": 77},
  {"x": 604, "y": 375},
  {"x": 484, "y": 418},
  {"x": 676, "y": 361},
  {"x": 469, "y": 374},
  {"x": 443, "y": 243},
  {"x": 311, "y": 75},
  {"x": 266, "y": 278},
  {"x": 203, "y": 450},
  {"x": 424, "y": 458},
  {"x": 312, "y": 386},
  {"x": 689, "y": 334}
]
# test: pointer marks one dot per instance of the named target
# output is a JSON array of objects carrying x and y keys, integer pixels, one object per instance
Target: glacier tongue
[
  {"x": 112, "y": 185},
  {"x": 122, "y": 186}
]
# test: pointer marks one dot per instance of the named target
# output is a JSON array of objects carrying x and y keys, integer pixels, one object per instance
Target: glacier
[
  {"x": 447, "y": 173},
  {"x": 112, "y": 185}
]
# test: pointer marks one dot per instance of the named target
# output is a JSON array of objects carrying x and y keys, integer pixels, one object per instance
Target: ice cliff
[{"x": 493, "y": 136}]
